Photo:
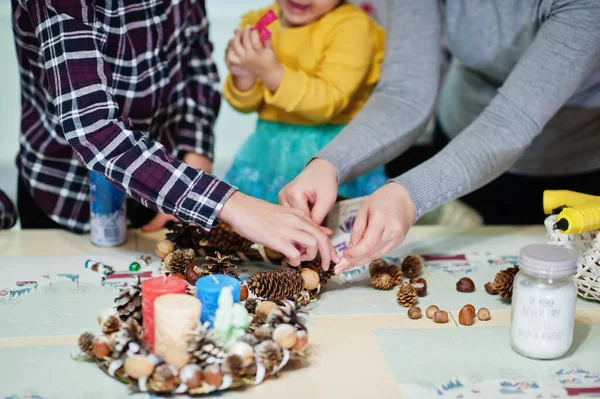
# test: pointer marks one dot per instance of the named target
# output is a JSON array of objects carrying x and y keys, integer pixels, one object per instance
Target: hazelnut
[
  {"x": 441, "y": 316},
  {"x": 264, "y": 309},
  {"x": 213, "y": 375},
  {"x": 192, "y": 274},
  {"x": 414, "y": 312},
  {"x": 244, "y": 351},
  {"x": 285, "y": 336},
  {"x": 311, "y": 278},
  {"x": 466, "y": 316},
  {"x": 301, "y": 340},
  {"x": 420, "y": 285},
  {"x": 431, "y": 311},
  {"x": 489, "y": 288},
  {"x": 100, "y": 347},
  {"x": 163, "y": 248},
  {"x": 470, "y": 307},
  {"x": 273, "y": 255},
  {"x": 138, "y": 366},
  {"x": 465, "y": 284},
  {"x": 191, "y": 376},
  {"x": 243, "y": 292},
  {"x": 483, "y": 314}
]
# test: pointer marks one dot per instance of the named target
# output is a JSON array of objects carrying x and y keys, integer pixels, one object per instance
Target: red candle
[{"x": 152, "y": 289}]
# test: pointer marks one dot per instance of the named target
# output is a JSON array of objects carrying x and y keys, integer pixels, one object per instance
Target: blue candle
[{"x": 208, "y": 289}]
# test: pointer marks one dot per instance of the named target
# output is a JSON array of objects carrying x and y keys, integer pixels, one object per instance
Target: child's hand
[
  {"x": 232, "y": 60},
  {"x": 258, "y": 59}
]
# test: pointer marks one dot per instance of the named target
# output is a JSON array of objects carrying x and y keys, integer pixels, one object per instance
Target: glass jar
[{"x": 543, "y": 302}]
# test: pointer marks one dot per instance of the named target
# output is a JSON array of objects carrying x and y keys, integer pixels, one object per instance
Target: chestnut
[
  {"x": 441, "y": 316},
  {"x": 466, "y": 316},
  {"x": 465, "y": 284},
  {"x": 420, "y": 285},
  {"x": 489, "y": 288},
  {"x": 431, "y": 311}
]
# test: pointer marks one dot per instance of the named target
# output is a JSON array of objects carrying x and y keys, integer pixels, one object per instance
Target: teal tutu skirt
[{"x": 277, "y": 152}]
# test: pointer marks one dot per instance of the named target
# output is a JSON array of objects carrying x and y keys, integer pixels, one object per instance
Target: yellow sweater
[{"x": 330, "y": 68}]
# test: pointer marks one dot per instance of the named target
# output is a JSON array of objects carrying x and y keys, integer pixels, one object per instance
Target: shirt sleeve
[
  {"x": 564, "y": 52},
  {"x": 8, "y": 213},
  {"x": 201, "y": 99},
  {"x": 323, "y": 94},
  {"x": 398, "y": 110},
  {"x": 80, "y": 81}
]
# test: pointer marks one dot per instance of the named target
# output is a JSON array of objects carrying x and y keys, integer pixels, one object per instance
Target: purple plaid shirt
[
  {"x": 8, "y": 215},
  {"x": 124, "y": 88}
]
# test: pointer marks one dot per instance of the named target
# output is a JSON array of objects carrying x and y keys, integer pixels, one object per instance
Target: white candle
[{"x": 175, "y": 317}]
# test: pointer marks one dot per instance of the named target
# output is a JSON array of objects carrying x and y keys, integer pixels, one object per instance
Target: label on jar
[{"x": 543, "y": 319}]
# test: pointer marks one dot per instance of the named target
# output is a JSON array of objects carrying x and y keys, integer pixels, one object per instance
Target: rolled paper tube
[
  {"x": 175, "y": 317},
  {"x": 208, "y": 289},
  {"x": 152, "y": 289},
  {"x": 264, "y": 21},
  {"x": 264, "y": 35}
]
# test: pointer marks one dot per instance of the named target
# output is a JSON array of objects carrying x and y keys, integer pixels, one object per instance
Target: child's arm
[
  {"x": 79, "y": 81},
  {"x": 324, "y": 94},
  {"x": 8, "y": 214}
]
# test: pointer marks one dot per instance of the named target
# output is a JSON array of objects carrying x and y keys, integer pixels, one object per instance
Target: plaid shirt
[
  {"x": 8, "y": 215},
  {"x": 123, "y": 88}
]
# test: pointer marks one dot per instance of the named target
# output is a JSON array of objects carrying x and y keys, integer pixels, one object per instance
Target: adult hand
[
  {"x": 285, "y": 230},
  {"x": 158, "y": 222},
  {"x": 315, "y": 186},
  {"x": 381, "y": 224}
]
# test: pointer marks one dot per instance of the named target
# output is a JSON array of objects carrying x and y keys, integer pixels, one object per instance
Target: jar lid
[{"x": 548, "y": 259}]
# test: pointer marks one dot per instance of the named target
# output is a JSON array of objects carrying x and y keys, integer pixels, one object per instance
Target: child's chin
[{"x": 299, "y": 20}]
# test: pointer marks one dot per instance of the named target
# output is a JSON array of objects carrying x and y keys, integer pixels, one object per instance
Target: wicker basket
[{"x": 587, "y": 246}]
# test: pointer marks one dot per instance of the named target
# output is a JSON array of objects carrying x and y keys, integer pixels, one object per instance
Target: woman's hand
[
  {"x": 256, "y": 58},
  {"x": 315, "y": 186},
  {"x": 285, "y": 230},
  {"x": 381, "y": 225}
]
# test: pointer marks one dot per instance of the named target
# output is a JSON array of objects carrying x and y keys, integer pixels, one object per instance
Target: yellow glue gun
[
  {"x": 579, "y": 219},
  {"x": 554, "y": 199}
]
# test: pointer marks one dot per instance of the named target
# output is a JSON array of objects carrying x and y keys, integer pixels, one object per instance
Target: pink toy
[{"x": 262, "y": 24}]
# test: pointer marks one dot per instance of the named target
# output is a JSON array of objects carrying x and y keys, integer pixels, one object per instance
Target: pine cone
[
  {"x": 412, "y": 266},
  {"x": 225, "y": 239},
  {"x": 384, "y": 276},
  {"x": 378, "y": 266},
  {"x": 165, "y": 378},
  {"x": 251, "y": 304},
  {"x": 276, "y": 284},
  {"x": 382, "y": 281},
  {"x": 129, "y": 301},
  {"x": 184, "y": 235},
  {"x": 234, "y": 365},
  {"x": 264, "y": 332},
  {"x": 219, "y": 264},
  {"x": 250, "y": 339},
  {"x": 406, "y": 295},
  {"x": 111, "y": 324},
  {"x": 203, "y": 348},
  {"x": 269, "y": 354},
  {"x": 287, "y": 314},
  {"x": 129, "y": 340},
  {"x": 503, "y": 282},
  {"x": 85, "y": 343},
  {"x": 178, "y": 261}
]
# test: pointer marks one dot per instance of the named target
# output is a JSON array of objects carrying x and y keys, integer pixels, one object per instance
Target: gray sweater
[{"x": 522, "y": 94}]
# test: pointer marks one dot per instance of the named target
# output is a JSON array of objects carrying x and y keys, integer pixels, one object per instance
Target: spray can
[{"x": 107, "y": 212}]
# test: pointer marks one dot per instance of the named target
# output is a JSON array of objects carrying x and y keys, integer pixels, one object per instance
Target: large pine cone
[
  {"x": 503, "y": 282},
  {"x": 412, "y": 266},
  {"x": 178, "y": 261},
  {"x": 406, "y": 295},
  {"x": 129, "y": 302},
  {"x": 224, "y": 238},
  {"x": 276, "y": 284}
]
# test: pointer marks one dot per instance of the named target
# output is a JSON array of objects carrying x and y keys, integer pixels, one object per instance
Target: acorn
[
  {"x": 213, "y": 375},
  {"x": 100, "y": 347},
  {"x": 431, "y": 311},
  {"x": 483, "y": 314},
  {"x": 420, "y": 285},
  {"x": 466, "y": 316},
  {"x": 285, "y": 335},
  {"x": 163, "y": 248},
  {"x": 441, "y": 316},
  {"x": 465, "y": 284},
  {"x": 138, "y": 366},
  {"x": 414, "y": 312},
  {"x": 191, "y": 376},
  {"x": 301, "y": 340},
  {"x": 192, "y": 274},
  {"x": 244, "y": 351},
  {"x": 243, "y": 292},
  {"x": 264, "y": 309},
  {"x": 489, "y": 288},
  {"x": 311, "y": 278}
]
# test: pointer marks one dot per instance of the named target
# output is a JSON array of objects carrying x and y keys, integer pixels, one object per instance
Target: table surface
[{"x": 365, "y": 345}]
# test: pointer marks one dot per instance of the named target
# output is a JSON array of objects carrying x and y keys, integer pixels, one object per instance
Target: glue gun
[
  {"x": 556, "y": 199},
  {"x": 261, "y": 25},
  {"x": 579, "y": 219}
]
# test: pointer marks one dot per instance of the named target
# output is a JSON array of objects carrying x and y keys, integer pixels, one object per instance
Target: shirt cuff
[
  {"x": 242, "y": 100},
  {"x": 205, "y": 199},
  {"x": 290, "y": 91}
]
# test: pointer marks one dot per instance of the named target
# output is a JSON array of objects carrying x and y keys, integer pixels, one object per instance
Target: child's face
[{"x": 304, "y": 12}]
